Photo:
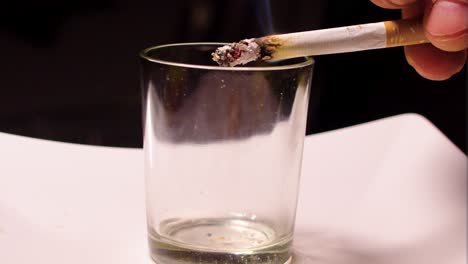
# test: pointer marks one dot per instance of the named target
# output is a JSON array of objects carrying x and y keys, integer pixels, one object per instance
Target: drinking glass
[{"x": 223, "y": 152}]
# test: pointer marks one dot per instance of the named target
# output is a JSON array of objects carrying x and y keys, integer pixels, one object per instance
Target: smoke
[{"x": 264, "y": 16}]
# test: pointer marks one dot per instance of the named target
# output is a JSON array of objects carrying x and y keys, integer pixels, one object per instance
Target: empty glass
[{"x": 223, "y": 152}]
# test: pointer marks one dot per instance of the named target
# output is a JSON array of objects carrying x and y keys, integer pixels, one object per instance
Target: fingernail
[
  {"x": 447, "y": 18},
  {"x": 410, "y": 61},
  {"x": 403, "y": 3},
  {"x": 408, "y": 51}
]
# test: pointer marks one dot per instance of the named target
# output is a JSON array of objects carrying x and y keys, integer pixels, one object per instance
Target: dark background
[{"x": 69, "y": 71}]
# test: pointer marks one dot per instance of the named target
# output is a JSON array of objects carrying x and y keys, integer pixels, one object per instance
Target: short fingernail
[
  {"x": 409, "y": 50},
  {"x": 447, "y": 18},
  {"x": 410, "y": 61},
  {"x": 403, "y": 3}
]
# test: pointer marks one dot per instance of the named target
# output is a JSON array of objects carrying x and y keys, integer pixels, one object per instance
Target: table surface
[{"x": 392, "y": 191}]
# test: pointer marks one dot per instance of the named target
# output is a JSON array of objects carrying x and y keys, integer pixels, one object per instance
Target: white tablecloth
[{"x": 392, "y": 191}]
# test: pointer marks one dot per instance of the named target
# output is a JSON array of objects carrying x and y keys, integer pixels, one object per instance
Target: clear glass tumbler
[{"x": 223, "y": 152}]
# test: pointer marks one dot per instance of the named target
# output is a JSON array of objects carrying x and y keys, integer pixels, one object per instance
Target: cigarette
[{"x": 320, "y": 42}]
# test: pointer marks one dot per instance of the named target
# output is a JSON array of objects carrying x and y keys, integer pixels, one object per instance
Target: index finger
[{"x": 394, "y": 4}]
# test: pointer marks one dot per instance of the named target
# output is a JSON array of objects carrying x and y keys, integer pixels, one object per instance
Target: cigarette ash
[
  {"x": 247, "y": 50},
  {"x": 238, "y": 53}
]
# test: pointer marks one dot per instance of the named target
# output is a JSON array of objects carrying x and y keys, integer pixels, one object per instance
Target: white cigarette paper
[{"x": 334, "y": 40}]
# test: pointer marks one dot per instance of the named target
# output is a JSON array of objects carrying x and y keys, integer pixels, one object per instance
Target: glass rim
[{"x": 144, "y": 55}]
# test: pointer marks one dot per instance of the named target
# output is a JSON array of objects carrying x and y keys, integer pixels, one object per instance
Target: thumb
[{"x": 446, "y": 24}]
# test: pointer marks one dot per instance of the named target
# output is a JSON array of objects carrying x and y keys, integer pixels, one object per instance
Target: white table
[{"x": 392, "y": 191}]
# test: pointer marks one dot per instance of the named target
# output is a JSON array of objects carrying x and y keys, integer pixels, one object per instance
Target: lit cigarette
[{"x": 319, "y": 42}]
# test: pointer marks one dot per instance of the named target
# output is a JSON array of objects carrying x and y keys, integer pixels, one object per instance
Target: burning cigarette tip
[{"x": 238, "y": 53}]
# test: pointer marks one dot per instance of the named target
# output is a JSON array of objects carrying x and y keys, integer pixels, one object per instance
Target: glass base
[{"x": 218, "y": 241}]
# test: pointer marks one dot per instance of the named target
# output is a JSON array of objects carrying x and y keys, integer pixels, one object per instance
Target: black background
[{"x": 69, "y": 71}]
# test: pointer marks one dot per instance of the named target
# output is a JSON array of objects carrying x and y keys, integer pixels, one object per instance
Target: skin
[{"x": 446, "y": 26}]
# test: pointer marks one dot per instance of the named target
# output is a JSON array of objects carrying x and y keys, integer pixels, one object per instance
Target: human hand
[{"x": 446, "y": 27}]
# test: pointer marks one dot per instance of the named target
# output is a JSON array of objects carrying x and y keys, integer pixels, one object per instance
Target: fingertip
[
  {"x": 415, "y": 10},
  {"x": 446, "y": 24},
  {"x": 433, "y": 63}
]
